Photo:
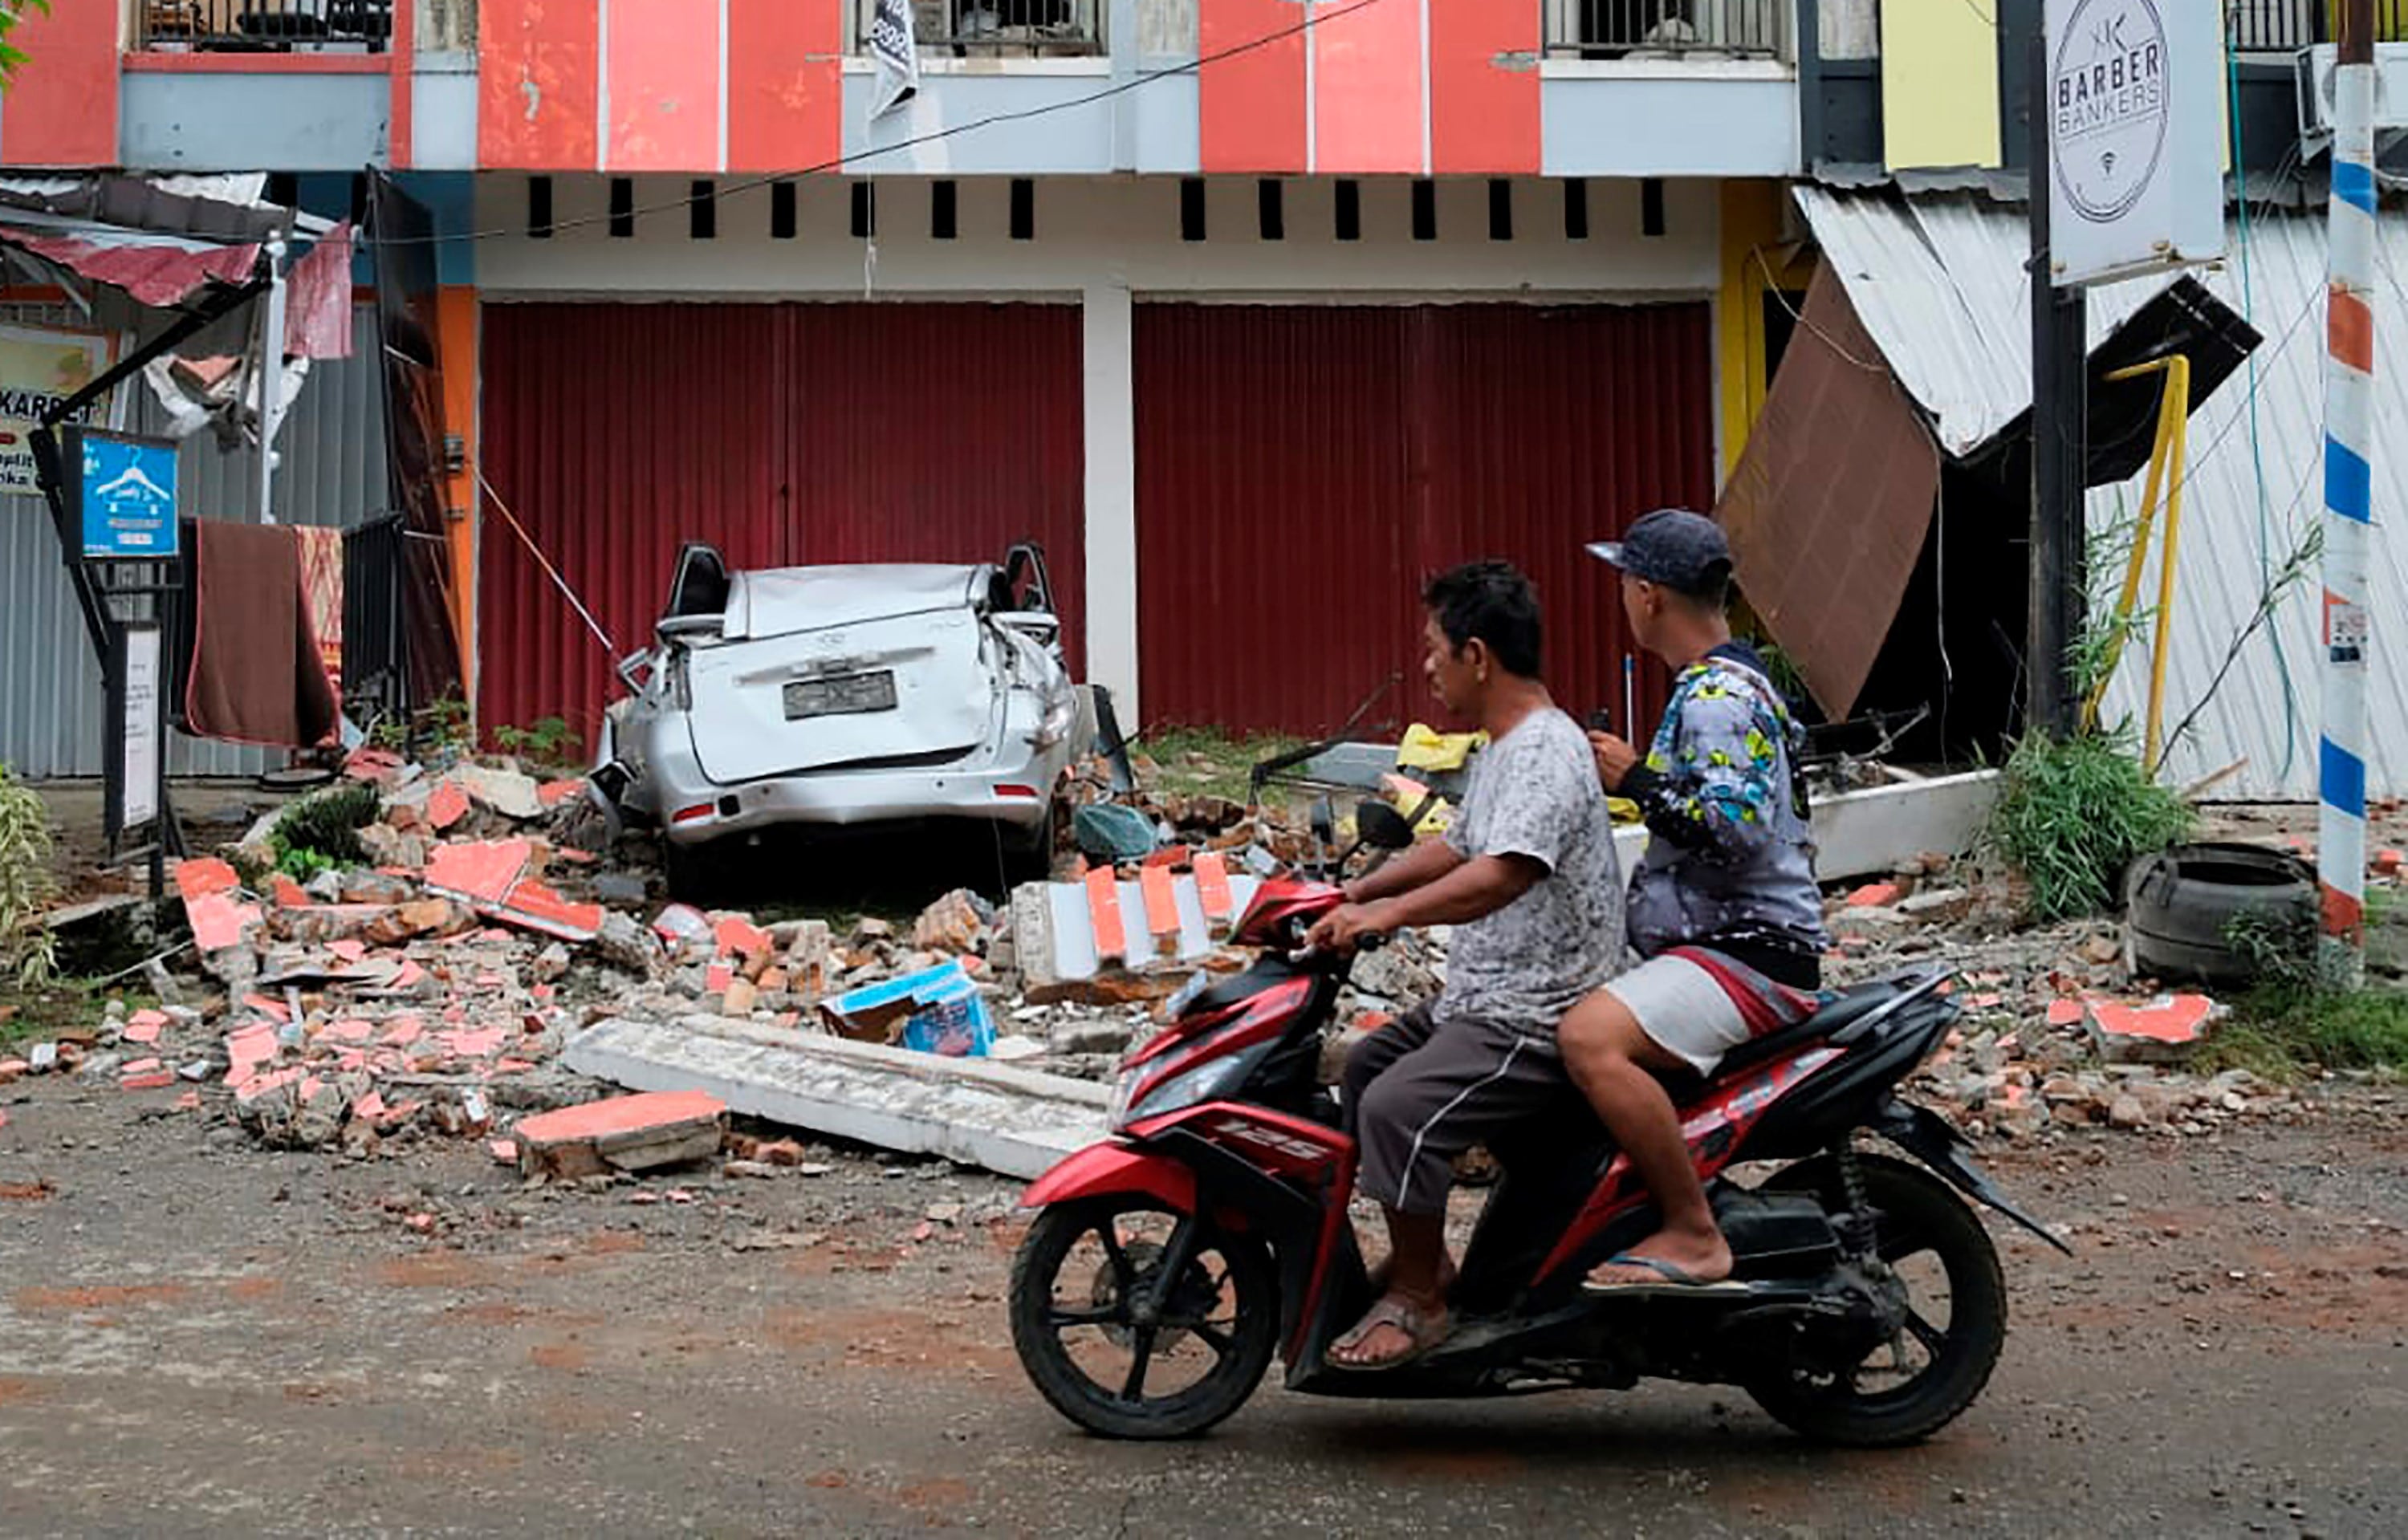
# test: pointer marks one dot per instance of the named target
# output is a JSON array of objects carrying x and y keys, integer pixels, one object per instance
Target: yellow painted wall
[
  {"x": 1751, "y": 216},
  {"x": 1940, "y": 85}
]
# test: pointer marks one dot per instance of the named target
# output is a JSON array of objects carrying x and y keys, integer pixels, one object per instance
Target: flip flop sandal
[
  {"x": 1676, "y": 1279},
  {"x": 1423, "y": 1331}
]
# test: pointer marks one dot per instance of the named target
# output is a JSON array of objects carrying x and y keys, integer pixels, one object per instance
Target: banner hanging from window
[{"x": 895, "y": 48}]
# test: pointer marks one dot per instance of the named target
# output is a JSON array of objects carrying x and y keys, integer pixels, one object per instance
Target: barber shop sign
[{"x": 2135, "y": 131}]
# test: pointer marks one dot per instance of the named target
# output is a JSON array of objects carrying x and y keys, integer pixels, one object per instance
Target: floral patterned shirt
[{"x": 1731, "y": 853}]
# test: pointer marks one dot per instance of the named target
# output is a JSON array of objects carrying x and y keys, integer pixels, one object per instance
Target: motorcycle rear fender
[{"x": 1935, "y": 1141}]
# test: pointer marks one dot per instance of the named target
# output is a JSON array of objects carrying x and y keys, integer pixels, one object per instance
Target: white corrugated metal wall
[
  {"x": 332, "y": 472},
  {"x": 1940, "y": 283}
]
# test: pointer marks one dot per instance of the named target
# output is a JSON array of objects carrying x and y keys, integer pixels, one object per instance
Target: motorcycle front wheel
[
  {"x": 1955, "y": 1326},
  {"x": 1120, "y": 1346}
]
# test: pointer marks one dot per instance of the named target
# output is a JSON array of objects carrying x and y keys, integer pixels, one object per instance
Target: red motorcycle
[{"x": 1211, "y": 1230}]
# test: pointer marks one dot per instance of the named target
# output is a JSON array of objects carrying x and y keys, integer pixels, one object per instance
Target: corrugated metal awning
[{"x": 1940, "y": 283}]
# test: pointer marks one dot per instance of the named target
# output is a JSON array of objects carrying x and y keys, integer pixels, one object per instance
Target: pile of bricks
[{"x": 403, "y": 996}]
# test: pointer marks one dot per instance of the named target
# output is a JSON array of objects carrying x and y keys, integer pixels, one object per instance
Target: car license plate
[{"x": 851, "y": 695}]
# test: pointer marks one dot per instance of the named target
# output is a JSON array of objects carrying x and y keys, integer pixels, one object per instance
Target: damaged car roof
[{"x": 782, "y": 601}]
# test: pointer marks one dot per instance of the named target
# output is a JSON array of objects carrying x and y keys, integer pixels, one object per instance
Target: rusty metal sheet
[{"x": 1828, "y": 509}]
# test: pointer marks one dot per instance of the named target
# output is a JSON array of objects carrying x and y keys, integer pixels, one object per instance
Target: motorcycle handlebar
[{"x": 1367, "y": 941}]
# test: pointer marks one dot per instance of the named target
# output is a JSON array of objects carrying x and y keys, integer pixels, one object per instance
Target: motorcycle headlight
[{"x": 1206, "y": 1082}]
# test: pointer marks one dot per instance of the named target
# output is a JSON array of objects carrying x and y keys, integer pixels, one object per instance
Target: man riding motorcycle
[{"x": 1526, "y": 874}]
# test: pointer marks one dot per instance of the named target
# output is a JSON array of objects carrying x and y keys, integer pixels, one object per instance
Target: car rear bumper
[{"x": 1017, "y": 796}]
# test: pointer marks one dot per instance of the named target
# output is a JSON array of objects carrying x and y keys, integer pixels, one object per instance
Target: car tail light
[
  {"x": 688, "y": 815},
  {"x": 1025, "y": 793},
  {"x": 1060, "y": 718}
]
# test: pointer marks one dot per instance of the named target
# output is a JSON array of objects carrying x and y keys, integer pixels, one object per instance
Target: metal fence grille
[
  {"x": 376, "y": 656},
  {"x": 2285, "y": 26},
  {"x": 1648, "y": 29},
  {"x": 985, "y": 29},
  {"x": 264, "y": 26}
]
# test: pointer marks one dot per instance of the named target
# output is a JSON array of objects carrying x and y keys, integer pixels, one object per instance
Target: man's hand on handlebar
[{"x": 1345, "y": 928}]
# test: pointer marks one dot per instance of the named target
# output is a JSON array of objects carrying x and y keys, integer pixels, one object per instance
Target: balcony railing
[
  {"x": 2285, "y": 26},
  {"x": 988, "y": 29},
  {"x": 1668, "y": 29},
  {"x": 264, "y": 26}
]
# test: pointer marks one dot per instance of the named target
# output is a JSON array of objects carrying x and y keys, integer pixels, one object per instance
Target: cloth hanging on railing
[{"x": 256, "y": 675}]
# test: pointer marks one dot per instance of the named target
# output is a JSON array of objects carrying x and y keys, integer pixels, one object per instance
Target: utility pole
[
  {"x": 2349, "y": 453},
  {"x": 2061, "y": 412}
]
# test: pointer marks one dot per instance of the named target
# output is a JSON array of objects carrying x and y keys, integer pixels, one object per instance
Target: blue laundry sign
[{"x": 128, "y": 493}]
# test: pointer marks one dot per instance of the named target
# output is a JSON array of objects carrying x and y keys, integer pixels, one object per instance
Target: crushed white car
[{"x": 844, "y": 695}]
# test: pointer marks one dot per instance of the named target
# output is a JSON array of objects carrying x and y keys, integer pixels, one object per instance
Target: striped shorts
[
  {"x": 1420, "y": 1093},
  {"x": 1698, "y": 1004}
]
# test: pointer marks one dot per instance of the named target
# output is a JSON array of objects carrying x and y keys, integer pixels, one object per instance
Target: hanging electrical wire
[{"x": 2257, "y": 442}]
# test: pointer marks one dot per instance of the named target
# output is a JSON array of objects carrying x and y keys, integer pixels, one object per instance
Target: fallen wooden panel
[{"x": 1011, "y": 1121}]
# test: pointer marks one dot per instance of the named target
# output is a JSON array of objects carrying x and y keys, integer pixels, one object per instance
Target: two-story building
[{"x": 1253, "y": 311}]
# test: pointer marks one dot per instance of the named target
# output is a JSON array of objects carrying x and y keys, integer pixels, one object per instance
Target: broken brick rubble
[{"x": 637, "y": 1132}]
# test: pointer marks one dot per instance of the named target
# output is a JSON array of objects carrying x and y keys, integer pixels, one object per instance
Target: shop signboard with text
[
  {"x": 2135, "y": 126},
  {"x": 40, "y": 368}
]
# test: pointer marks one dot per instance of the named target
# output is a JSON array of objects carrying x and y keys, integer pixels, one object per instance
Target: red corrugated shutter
[
  {"x": 1274, "y": 529},
  {"x": 1302, "y": 471},
  {"x": 782, "y": 434},
  {"x": 613, "y": 433},
  {"x": 942, "y": 432}
]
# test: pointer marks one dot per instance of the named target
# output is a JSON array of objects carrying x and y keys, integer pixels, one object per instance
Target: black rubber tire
[
  {"x": 696, "y": 873},
  {"x": 1029, "y": 855},
  {"x": 1908, "y": 1201},
  {"x": 1076, "y": 1396},
  {"x": 2182, "y": 906}
]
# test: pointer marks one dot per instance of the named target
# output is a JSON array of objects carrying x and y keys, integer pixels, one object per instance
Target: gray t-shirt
[{"x": 1533, "y": 792}]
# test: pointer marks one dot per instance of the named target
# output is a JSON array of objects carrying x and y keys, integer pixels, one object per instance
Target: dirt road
[{"x": 200, "y": 1337}]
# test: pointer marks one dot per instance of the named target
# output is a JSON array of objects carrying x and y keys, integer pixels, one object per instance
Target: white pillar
[
  {"x": 271, "y": 379},
  {"x": 1111, "y": 498}
]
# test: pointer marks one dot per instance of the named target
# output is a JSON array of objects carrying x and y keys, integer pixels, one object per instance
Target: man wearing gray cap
[{"x": 1723, "y": 912}]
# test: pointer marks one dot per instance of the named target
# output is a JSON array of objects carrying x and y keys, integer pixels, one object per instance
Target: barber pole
[{"x": 2349, "y": 454}]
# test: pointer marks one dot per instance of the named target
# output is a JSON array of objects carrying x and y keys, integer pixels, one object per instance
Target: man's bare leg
[
  {"x": 1411, "y": 1315},
  {"x": 1608, "y": 1058}
]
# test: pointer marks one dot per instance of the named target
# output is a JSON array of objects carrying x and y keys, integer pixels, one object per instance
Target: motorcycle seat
[{"x": 1829, "y": 1021}]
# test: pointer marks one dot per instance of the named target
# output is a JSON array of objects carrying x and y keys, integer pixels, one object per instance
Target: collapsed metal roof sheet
[
  {"x": 223, "y": 208},
  {"x": 157, "y": 270},
  {"x": 1940, "y": 284}
]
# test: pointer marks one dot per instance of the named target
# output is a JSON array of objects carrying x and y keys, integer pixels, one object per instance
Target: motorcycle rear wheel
[
  {"x": 1224, "y": 1304},
  {"x": 1915, "y": 1215}
]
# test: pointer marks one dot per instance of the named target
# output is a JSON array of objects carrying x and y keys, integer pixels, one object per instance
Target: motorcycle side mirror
[
  {"x": 1380, "y": 826},
  {"x": 1325, "y": 821}
]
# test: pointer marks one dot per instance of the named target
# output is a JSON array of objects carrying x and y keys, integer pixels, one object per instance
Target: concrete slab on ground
[{"x": 1011, "y": 1121}]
